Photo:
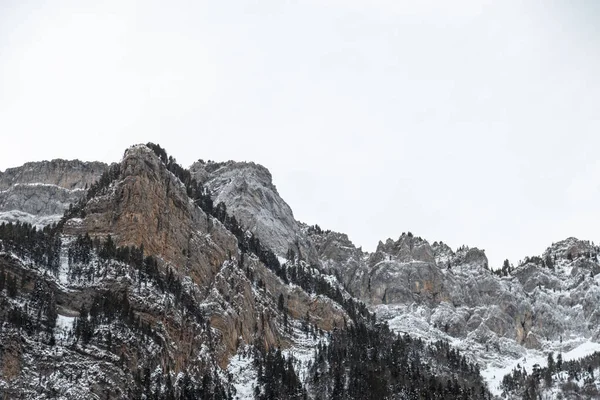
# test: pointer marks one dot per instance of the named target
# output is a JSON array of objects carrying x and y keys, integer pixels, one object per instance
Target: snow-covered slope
[
  {"x": 431, "y": 290},
  {"x": 548, "y": 303},
  {"x": 145, "y": 290}
]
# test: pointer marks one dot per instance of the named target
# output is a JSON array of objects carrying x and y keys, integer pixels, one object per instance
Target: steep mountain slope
[
  {"x": 249, "y": 194},
  {"x": 433, "y": 291},
  {"x": 546, "y": 304},
  {"x": 174, "y": 283},
  {"x": 142, "y": 287},
  {"x": 147, "y": 289}
]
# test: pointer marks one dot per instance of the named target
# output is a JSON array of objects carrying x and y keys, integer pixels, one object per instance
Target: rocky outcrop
[
  {"x": 456, "y": 293},
  {"x": 207, "y": 300},
  {"x": 148, "y": 206},
  {"x": 338, "y": 256},
  {"x": 428, "y": 290},
  {"x": 540, "y": 302},
  {"x": 39, "y": 192},
  {"x": 452, "y": 291},
  {"x": 407, "y": 248},
  {"x": 68, "y": 174},
  {"x": 404, "y": 271},
  {"x": 38, "y": 199},
  {"x": 248, "y": 192}
]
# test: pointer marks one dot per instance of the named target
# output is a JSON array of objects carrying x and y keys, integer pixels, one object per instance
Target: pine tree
[
  {"x": 11, "y": 286},
  {"x": 83, "y": 327},
  {"x": 506, "y": 268},
  {"x": 2, "y": 280}
]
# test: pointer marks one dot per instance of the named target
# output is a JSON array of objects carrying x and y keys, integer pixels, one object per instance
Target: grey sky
[{"x": 471, "y": 122}]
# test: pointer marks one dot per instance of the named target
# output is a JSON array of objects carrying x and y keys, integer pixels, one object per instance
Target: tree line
[
  {"x": 368, "y": 361},
  {"x": 576, "y": 377}
]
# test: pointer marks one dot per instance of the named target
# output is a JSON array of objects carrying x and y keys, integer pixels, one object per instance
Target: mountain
[
  {"x": 547, "y": 304},
  {"x": 166, "y": 282},
  {"x": 248, "y": 191},
  {"x": 40, "y": 192},
  {"x": 433, "y": 292}
]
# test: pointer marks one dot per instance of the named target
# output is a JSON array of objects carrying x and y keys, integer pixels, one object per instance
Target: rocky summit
[{"x": 148, "y": 280}]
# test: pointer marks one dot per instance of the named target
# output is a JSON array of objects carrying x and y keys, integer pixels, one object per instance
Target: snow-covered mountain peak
[
  {"x": 265, "y": 287},
  {"x": 248, "y": 192},
  {"x": 204, "y": 170}
]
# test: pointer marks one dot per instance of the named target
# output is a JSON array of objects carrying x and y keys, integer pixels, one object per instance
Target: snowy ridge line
[
  {"x": 40, "y": 184},
  {"x": 39, "y": 221}
]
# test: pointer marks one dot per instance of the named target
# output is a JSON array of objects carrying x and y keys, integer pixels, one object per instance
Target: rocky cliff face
[
  {"x": 39, "y": 192},
  {"x": 206, "y": 300},
  {"x": 229, "y": 298},
  {"x": 68, "y": 174},
  {"x": 149, "y": 207},
  {"x": 249, "y": 193},
  {"x": 339, "y": 257},
  {"x": 547, "y": 303},
  {"x": 452, "y": 292},
  {"x": 409, "y": 271}
]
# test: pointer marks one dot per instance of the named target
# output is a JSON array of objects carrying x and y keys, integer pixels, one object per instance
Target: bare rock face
[
  {"x": 456, "y": 293},
  {"x": 339, "y": 257},
  {"x": 399, "y": 282},
  {"x": 452, "y": 290},
  {"x": 407, "y": 249},
  {"x": 442, "y": 253},
  {"x": 40, "y": 192},
  {"x": 38, "y": 199},
  {"x": 249, "y": 194},
  {"x": 148, "y": 206},
  {"x": 541, "y": 301},
  {"x": 68, "y": 174},
  {"x": 404, "y": 271},
  {"x": 11, "y": 359}
]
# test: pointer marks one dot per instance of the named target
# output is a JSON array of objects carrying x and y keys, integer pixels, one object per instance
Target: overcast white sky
[{"x": 471, "y": 122}]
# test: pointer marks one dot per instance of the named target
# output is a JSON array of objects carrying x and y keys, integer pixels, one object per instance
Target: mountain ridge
[{"x": 429, "y": 290}]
